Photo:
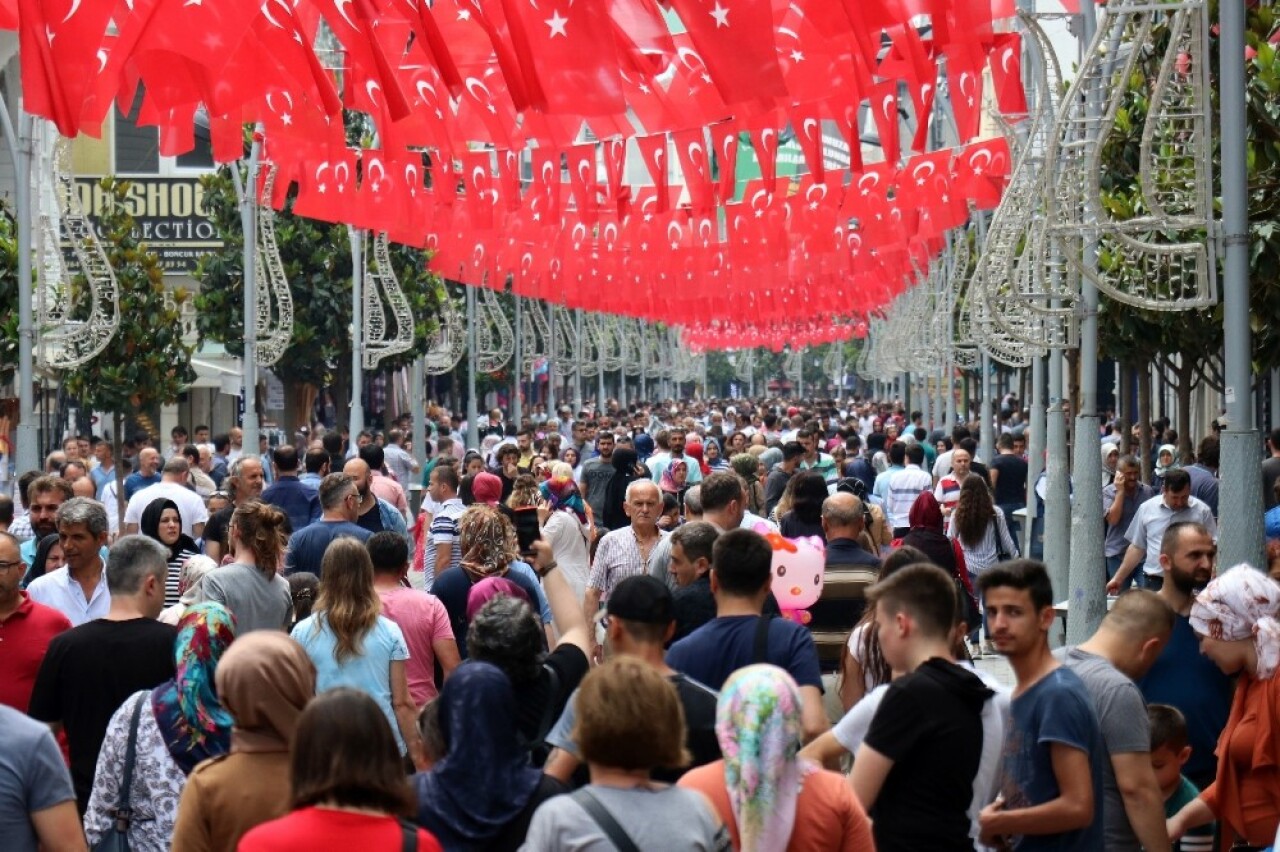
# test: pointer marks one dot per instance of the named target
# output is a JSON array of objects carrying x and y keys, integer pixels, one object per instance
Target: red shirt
[
  {"x": 321, "y": 829},
  {"x": 24, "y": 637}
]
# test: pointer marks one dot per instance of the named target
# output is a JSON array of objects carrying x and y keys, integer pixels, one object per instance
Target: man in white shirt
[
  {"x": 173, "y": 486},
  {"x": 78, "y": 589},
  {"x": 1174, "y": 504},
  {"x": 904, "y": 487}
]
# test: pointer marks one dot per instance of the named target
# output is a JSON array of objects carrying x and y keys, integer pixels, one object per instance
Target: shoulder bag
[
  {"x": 597, "y": 811},
  {"x": 117, "y": 838}
]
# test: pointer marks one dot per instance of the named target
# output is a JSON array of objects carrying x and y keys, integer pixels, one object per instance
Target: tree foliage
[
  {"x": 146, "y": 363},
  {"x": 8, "y": 294}
]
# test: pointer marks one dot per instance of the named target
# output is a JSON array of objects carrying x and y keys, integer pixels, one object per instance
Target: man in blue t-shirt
[
  {"x": 339, "y": 505},
  {"x": 740, "y": 635},
  {"x": 1051, "y": 780}
]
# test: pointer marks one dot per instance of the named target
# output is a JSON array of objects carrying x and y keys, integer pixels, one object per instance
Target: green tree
[
  {"x": 317, "y": 261},
  {"x": 8, "y": 294},
  {"x": 146, "y": 363}
]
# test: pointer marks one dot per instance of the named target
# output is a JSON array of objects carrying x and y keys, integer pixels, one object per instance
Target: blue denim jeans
[{"x": 1113, "y": 565}]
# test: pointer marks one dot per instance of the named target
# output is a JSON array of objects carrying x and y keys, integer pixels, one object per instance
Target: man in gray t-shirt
[
  {"x": 37, "y": 801},
  {"x": 1125, "y": 645},
  {"x": 596, "y": 475}
]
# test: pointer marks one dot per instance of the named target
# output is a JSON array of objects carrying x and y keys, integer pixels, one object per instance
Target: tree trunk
[
  {"x": 341, "y": 389},
  {"x": 1144, "y": 421},
  {"x": 299, "y": 399},
  {"x": 1186, "y": 372},
  {"x": 1124, "y": 409}
]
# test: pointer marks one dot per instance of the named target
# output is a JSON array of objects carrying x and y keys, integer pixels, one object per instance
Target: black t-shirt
[
  {"x": 215, "y": 529},
  {"x": 774, "y": 486},
  {"x": 372, "y": 519},
  {"x": 695, "y": 605},
  {"x": 1011, "y": 485},
  {"x": 541, "y": 702},
  {"x": 699, "y": 702},
  {"x": 1270, "y": 473},
  {"x": 929, "y": 724},
  {"x": 87, "y": 674}
]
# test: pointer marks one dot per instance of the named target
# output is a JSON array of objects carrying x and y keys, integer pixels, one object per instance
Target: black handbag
[{"x": 117, "y": 838}]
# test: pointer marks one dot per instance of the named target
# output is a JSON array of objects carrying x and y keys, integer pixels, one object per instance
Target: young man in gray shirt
[{"x": 1128, "y": 641}]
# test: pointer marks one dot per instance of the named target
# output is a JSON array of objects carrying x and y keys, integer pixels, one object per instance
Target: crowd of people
[{"x": 570, "y": 637}]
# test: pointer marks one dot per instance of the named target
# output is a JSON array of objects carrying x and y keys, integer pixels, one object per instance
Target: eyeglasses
[{"x": 5, "y": 566}]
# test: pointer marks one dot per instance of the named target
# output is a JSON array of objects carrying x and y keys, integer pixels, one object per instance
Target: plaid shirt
[{"x": 618, "y": 557}]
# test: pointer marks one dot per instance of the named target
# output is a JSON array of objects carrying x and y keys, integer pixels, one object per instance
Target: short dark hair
[
  {"x": 1022, "y": 574},
  {"x": 6, "y": 509},
  {"x": 372, "y": 455},
  {"x": 1168, "y": 727},
  {"x": 315, "y": 460},
  {"x": 389, "y": 552},
  {"x": 221, "y": 442},
  {"x": 508, "y": 633},
  {"x": 719, "y": 490},
  {"x": 447, "y": 475},
  {"x": 344, "y": 753},
  {"x": 286, "y": 458},
  {"x": 898, "y": 453},
  {"x": 1208, "y": 452},
  {"x": 742, "y": 561},
  {"x": 334, "y": 488},
  {"x": 1173, "y": 535},
  {"x": 696, "y": 538},
  {"x": 1176, "y": 481},
  {"x": 191, "y": 453},
  {"x": 924, "y": 591},
  {"x": 792, "y": 450},
  {"x": 915, "y": 454},
  {"x": 1005, "y": 441}
]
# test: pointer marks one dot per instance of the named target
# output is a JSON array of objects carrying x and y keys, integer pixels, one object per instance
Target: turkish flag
[
  {"x": 724, "y": 144},
  {"x": 964, "y": 77},
  {"x": 431, "y": 40},
  {"x": 546, "y": 185},
  {"x": 567, "y": 56},
  {"x": 806, "y": 126},
  {"x": 480, "y": 194},
  {"x": 653, "y": 151},
  {"x": 581, "y": 160},
  {"x": 380, "y": 199},
  {"x": 884, "y": 107},
  {"x": 695, "y": 164},
  {"x": 355, "y": 23},
  {"x": 925, "y": 186},
  {"x": 735, "y": 39},
  {"x": 980, "y": 171},
  {"x": 509, "y": 179},
  {"x": 1005, "y": 61},
  {"x": 764, "y": 140},
  {"x": 58, "y": 51}
]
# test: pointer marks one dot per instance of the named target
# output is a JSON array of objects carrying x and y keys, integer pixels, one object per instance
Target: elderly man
[
  {"x": 626, "y": 552},
  {"x": 172, "y": 486},
  {"x": 245, "y": 481}
]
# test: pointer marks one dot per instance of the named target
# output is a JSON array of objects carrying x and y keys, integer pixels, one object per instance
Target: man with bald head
[
  {"x": 148, "y": 472},
  {"x": 843, "y": 521},
  {"x": 374, "y": 513}
]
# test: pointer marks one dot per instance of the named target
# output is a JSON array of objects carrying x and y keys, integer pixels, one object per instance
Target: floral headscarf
[
  {"x": 1242, "y": 603},
  {"x": 668, "y": 480},
  {"x": 488, "y": 541},
  {"x": 194, "y": 724},
  {"x": 561, "y": 492},
  {"x": 758, "y": 726}
]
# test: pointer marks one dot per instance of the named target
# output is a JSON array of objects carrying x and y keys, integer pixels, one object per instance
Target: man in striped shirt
[
  {"x": 904, "y": 487},
  {"x": 442, "y": 551},
  {"x": 625, "y": 552}
]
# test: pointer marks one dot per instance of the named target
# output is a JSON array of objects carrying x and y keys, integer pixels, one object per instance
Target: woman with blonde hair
[
  {"x": 251, "y": 586},
  {"x": 352, "y": 644}
]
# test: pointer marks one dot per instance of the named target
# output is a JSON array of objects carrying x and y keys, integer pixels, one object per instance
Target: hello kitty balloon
[{"x": 798, "y": 568}]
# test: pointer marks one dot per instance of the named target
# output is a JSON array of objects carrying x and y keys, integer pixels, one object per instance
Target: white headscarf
[{"x": 1242, "y": 603}]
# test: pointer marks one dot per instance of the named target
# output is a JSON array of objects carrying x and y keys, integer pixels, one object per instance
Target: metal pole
[
  {"x": 986, "y": 446},
  {"x": 551, "y": 359},
  {"x": 1241, "y": 536},
  {"x": 473, "y": 409},
  {"x": 28, "y": 433},
  {"x": 1087, "y": 571},
  {"x": 600, "y": 407},
  {"x": 926, "y": 403},
  {"x": 517, "y": 404},
  {"x": 418, "y": 397},
  {"x": 355, "y": 421},
  {"x": 1035, "y": 450},
  {"x": 577, "y": 367},
  {"x": 1275, "y": 398},
  {"x": 245, "y": 194}
]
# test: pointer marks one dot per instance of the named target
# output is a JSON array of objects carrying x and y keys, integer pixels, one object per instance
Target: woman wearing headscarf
[
  {"x": 625, "y": 471},
  {"x": 644, "y": 445},
  {"x": 483, "y": 792},
  {"x": 1166, "y": 460},
  {"x": 714, "y": 457},
  {"x": 264, "y": 681},
  {"x": 675, "y": 480},
  {"x": 566, "y": 526},
  {"x": 926, "y": 533},
  {"x": 1235, "y": 618},
  {"x": 770, "y": 798},
  {"x": 162, "y": 522},
  {"x": 694, "y": 451},
  {"x": 1110, "y": 457},
  {"x": 180, "y": 723},
  {"x": 189, "y": 587}
]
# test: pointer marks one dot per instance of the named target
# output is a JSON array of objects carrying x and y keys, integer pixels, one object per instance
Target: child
[{"x": 1169, "y": 751}]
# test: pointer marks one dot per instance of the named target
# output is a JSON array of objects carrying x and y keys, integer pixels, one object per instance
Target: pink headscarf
[
  {"x": 488, "y": 589},
  {"x": 1242, "y": 603}
]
